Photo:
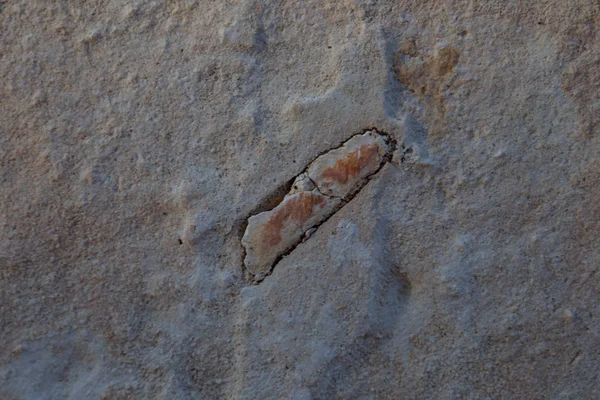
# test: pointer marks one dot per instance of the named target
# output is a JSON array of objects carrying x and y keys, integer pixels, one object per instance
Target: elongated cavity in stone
[{"x": 314, "y": 197}]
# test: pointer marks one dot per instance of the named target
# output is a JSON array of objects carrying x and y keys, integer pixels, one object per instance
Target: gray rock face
[
  {"x": 137, "y": 138},
  {"x": 315, "y": 195}
]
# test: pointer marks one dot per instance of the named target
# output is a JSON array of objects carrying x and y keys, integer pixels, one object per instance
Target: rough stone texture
[
  {"x": 136, "y": 137},
  {"x": 315, "y": 195},
  {"x": 272, "y": 233},
  {"x": 341, "y": 172}
]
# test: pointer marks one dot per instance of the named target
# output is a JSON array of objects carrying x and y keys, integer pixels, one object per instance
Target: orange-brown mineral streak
[
  {"x": 298, "y": 209},
  {"x": 351, "y": 165}
]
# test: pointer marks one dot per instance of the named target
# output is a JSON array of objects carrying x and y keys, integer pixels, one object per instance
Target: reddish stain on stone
[
  {"x": 298, "y": 209},
  {"x": 352, "y": 164}
]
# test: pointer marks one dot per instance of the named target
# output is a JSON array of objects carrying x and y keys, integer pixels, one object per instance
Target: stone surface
[
  {"x": 273, "y": 233},
  {"x": 315, "y": 195},
  {"x": 341, "y": 172},
  {"x": 137, "y": 137}
]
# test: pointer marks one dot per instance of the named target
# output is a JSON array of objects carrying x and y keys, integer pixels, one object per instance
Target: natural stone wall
[{"x": 141, "y": 140}]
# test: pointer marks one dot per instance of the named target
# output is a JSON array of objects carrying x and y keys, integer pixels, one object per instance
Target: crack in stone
[
  {"x": 326, "y": 185},
  {"x": 317, "y": 187}
]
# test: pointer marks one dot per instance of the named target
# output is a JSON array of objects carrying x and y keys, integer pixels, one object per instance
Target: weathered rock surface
[
  {"x": 342, "y": 172},
  {"x": 315, "y": 195},
  {"x": 137, "y": 137},
  {"x": 272, "y": 233}
]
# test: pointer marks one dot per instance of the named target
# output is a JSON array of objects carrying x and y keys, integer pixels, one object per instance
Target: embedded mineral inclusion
[{"x": 316, "y": 194}]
